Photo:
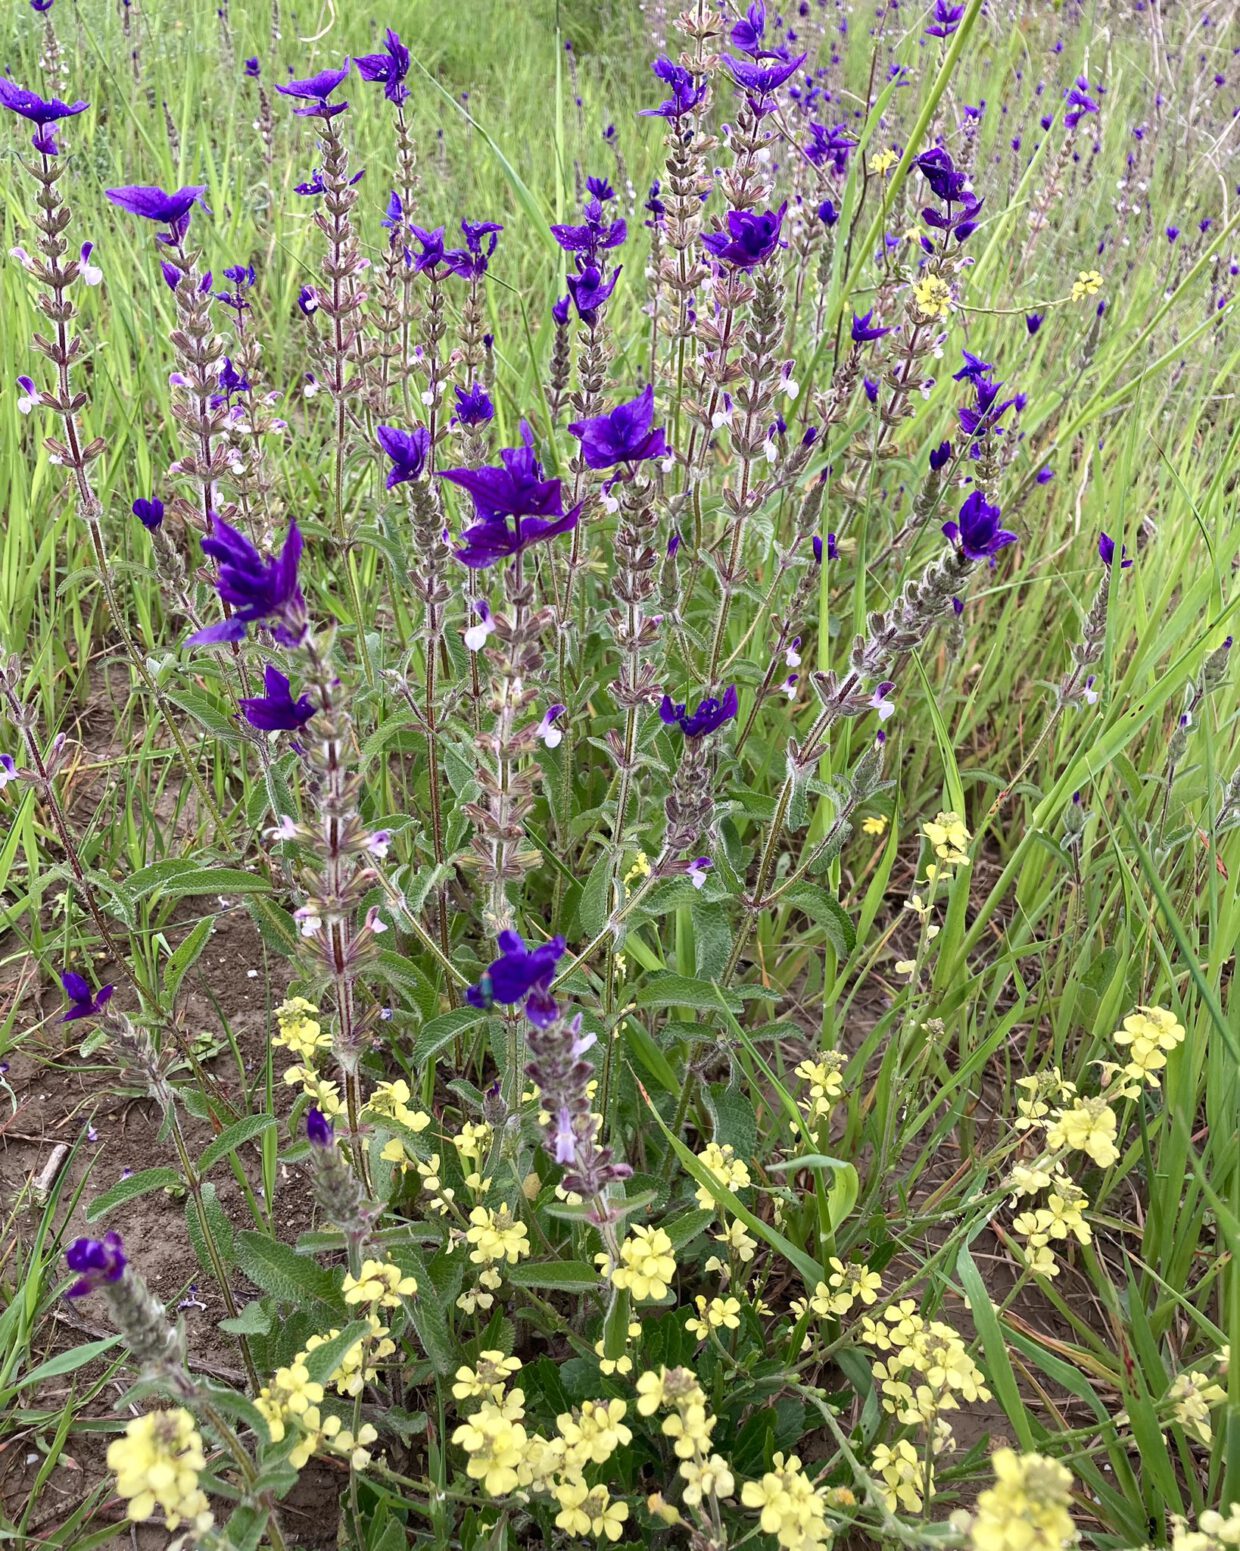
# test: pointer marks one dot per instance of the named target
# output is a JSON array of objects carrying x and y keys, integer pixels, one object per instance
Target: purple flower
[
  {"x": 83, "y": 1003},
  {"x": 307, "y": 301},
  {"x": 256, "y": 589},
  {"x": 149, "y": 513},
  {"x": 156, "y": 204},
  {"x": 709, "y": 716},
  {"x": 749, "y": 240},
  {"x": 391, "y": 67},
  {"x": 40, "y": 111},
  {"x": 863, "y": 330},
  {"x": 488, "y": 542},
  {"x": 559, "y": 311},
  {"x": 1044, "y": 476},
  {"x": 589, "y": 290},
  {"x": 520, "y": 974},
  {"x": 978, "y": 534},
  {"x": 431, "y": 244},
  {"x": 253, "y": 69},
  {"x": 96, "y": 1262},
  {"x": 973, "y": 368},
  {"x": 622, "y": 436},
  {"x": 833, "y": 551},
  {"x": 550, "y": 735},
  {"x": 870, "y": 387},
  {"x": 276, "y": 711},
  {"x": 595, "y": 237},
  {"x": 8, "y": 772},
  {"x": 1079, "y": 103},
  {"x": 946, "y": 19},
  {"x": 941, "y": 456},
  {"x": 697, "y": 870},
  {"x": 832, "y": 145},
  {"x": 760, "y": 80},
  {"x": 827, "y": 213},
  {"x": 243, "y": 277},
  {"x": 473, "y": 406},
  {"x": 686, "y": 94},
  {"x": 470, "y": 262},
  {"x": 939, "y": 171},
  {"x": 880, "y": 702},
  {"x": 408, "y": 450},
  {"x": 1033, "y": 322},
  {"x": 313, "y": 186},
  {"x": 747, "y": 34},
  {"x": 516, "y": 489},
  {"x": 316, "y": 89},
  {"x": 319, "y": 1129},
  {"x": 1106, "y": 552}
]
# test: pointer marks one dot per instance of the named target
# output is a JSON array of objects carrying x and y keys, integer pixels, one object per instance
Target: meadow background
[{"x": 1102, "y": 835}]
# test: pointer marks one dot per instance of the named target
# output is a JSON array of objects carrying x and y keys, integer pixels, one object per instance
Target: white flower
[{"x": 476, "y": 635}]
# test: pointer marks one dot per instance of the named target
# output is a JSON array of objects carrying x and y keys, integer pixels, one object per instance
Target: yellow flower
[
  {"x": 718, "y": 1314},
  {"x": 392, "y": 1098},
  {"x": 157, "y": 1463},
  {"x": 647, "y": 1264},
  {"x": 487, "y": 1381},
  {"x": 722, "y": 1165},
  {"x": 790, "y": 1507},
  {"x": 826, "y": 1083},
  {"x": 1090, "y": 1127},
  {"x": 495, "y": 1236},
  {"x": 1150, "y": 1032},
  {"x": 473, "y": 1139},
  {"x": 1087, "y": 283},
  {"x": 899, "y": 1467},
  {"x": 640, "y": 869},
  {"x": 380, "y": 1283},
  {"x": 876, "y": 824},
  {"x": 882, "y": 162},
  {"x": 357, "y": 1366},
  {"x": 1193, "y": 1394},
  {"x": 322, "y": 1092},
  {"x": 709, "y": 1477},
  {"x": 623, "y": 1363},
  {"x": 651, "y": 1391},
  {"x": 738, "y": 1240},
  {"x": 949, "y": 835},
  {"x": 933, "y": 296},
  {"x": 1027, "y": 1508},
  {"x": 853, "y": 1281},
  {"x": 298, "y": 1031},
  {"x": 594, "y": 1433},
  {"x": 496, "y": 1446}
]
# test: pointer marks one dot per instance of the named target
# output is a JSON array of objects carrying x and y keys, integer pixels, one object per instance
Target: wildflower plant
[{"x": 656, "y": 644}]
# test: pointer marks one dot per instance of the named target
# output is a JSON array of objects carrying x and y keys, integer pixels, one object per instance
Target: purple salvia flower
[
  {"x": 319, "y": 1129},
  {"x": 96, "y": 1262},
  {"x": 589, "y": 290},
  {"x": 83, "y": 1002},
  {"x": 863, "y": 330},
  {"x": 1033, "y": 322},
  {"x": 550, "y": 734},
  {"x": 253, "y": 69},
  {"x": 8, "y": 772},
  {"x": 515, "y": 489},
  {"x": 276, "y": 710},
  {"x": 257, "y": 589},
  {"x": 519, "y": 974},
  {"x": 623, "y": 435},
  {"x": 391, "y": 67},
  {"x": 946, "y": 19},
  {"x": 749, "y": 240},
  {"x": 476, "y": 635},
  {"x": 473, "y": 406},
  {"x": 708, "y": 717},
  {"x": 170, "y": 209},
  {"x": 1106, "y": 552},
  {"x": 316, "y": 89},
  {"x": 697, "y": 870},
  {"x": 40, "y": 111},
  {"x": 408, "y": 450},
  {"x": 880, "y": 702},
  {"x": 758, "y": 80},
  {"x": 149, "y": 512},
  {"x": 686, "y": 94},
  {"x": 28, "y": 398},
  {"x": 941, "y": 456},
  {"x": 978, "y": 535}
]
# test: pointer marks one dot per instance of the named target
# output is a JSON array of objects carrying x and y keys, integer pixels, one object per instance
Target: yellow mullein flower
[
  {"x": 933, "y": 296},
  {"x": 488, "y": 1380},
  {"x": 899, "y": 1467},
  {"x": 157, "y": 1463},
  {"x": 790, "y": 1508},
  {"x": 722, "y": 1165},
  {"x": 852, "y": 1282},
  {"x": 646, "y": 1267},
  {"x": 392, "y": 1098},
  {"x": 738, "y": 1240},
  {"x": 717, "y": 1314},
  {"x": 1193, "y": 1394},
  {"x": 473, "y": 1140},
  {"x": 496, "y": 1236},
  {"x": 299, "y": 1031},
  {"x": 1087, "y": 283},
  {"x": 380, "y": 1283},
  {"x": 623, "y": 1363},
  {"x": 640, "y": 869},
  {"x": 826, "y": 1083},
  {"x": 593, "y": 1434},
  {"x": 496, "y": 1447},
  {"x": 883, "y": 161},
  {"x": 876, "y": 824},
  {"x": 357, "y": 1367},
  {"x": 1089, "y": 1126},
  {"x": 708, "y": 1477},
  {"x": 949, "y": 836},
  {"x": 1027, "y": 1507}
]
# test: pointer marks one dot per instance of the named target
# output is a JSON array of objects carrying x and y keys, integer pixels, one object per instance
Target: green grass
[{"x": 1043, "y": 948}]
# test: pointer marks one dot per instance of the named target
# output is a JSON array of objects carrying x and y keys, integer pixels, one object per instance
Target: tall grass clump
[{"x": 683, "y": 617}]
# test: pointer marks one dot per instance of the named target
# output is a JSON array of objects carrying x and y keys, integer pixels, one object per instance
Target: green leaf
[
  {"x": 441, "y": 1031},
  {"x": 556, "y": 1276},
  {"x": 682, "y": 991},
  {"x": 67, "y": 1362},
  {"x": 217, "y": 722},
  {"x": 427, "y": 1311},
  {"x": 825, "y": 910},
  {"x": 181, "y": 878},
  {"x": 325, "y": 1359},
  {"x": 254, "y": 1320},
  {"x": 650, "y": 1056},
  {"x": 593, "y": 903},
  {"x": 219, "y": 1226},
  {"x": 184, "y": 956},
  {"x": 139, "y": 1184},
  {"x": 282, "y": 1272},
  {"x": 998, "y": 1363},
  {"x": 236, "y": 1135},
  {"x": 684, "y": 1229}
]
